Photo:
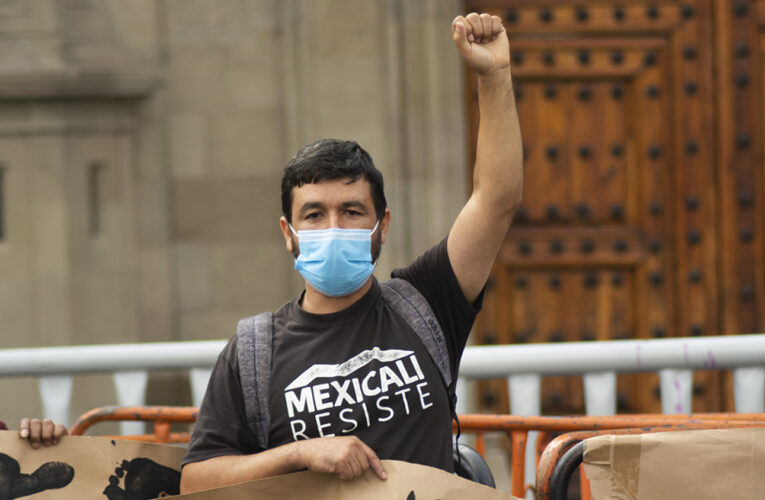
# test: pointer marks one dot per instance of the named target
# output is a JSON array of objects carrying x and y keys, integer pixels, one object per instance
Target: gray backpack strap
[
  {"x": 412, "y": 306},
  {"x": 253, "y": 337}
]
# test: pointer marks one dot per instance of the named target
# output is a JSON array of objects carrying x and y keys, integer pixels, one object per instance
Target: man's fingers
[
  {"x": 58, "y": 431},
  {"x": 377, "y": 466},
  {"x": 47, "y": 432},
  {"x": 345, "y": 457},
  {"x": 41, "y": 432},
  {"x": 357, "y": 464},
  {"x": 356, "y": 459},
  {"x": 24, "y": 428},
  {"x": 375, "y": 462},
  {"x": 344, "y": 472},
  {"x": 350, "y": 468},
  {"x": 496, "y": 27},
  {"x": 460, "y": 35},
  {"x": 35, "y": 431},
  {"x": 478, "y": 28},
  {"x": 486, "y": 28},
  {"x": 474, "y": 21}
]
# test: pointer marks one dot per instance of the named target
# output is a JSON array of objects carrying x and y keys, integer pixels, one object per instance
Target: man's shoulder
[
  {"x": 229, "y": 351},
  {"x": 431, "y": 260}
]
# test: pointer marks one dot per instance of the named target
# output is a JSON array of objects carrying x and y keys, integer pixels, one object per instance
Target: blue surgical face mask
[{"x": 335, "y": 261}]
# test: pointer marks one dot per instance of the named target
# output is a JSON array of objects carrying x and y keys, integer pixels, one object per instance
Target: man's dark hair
[{"x": 329, "y": 159}]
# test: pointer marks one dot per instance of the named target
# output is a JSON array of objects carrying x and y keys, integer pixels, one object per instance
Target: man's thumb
[{"x": 460, "y": 39}]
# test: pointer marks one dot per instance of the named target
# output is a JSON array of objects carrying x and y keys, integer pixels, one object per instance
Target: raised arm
[{"x": 481, "y": 226}]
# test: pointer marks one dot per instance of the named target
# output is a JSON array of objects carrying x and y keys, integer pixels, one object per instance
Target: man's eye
[
  {"x": 314, "y": 215},
  {"x": 353, "y": 213}
]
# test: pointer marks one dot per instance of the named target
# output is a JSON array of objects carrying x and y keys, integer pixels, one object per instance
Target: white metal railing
[
  {"x": 599, "y": 362},
  {"x": 129, "y": 363},
  {"x": 522, "y": 365},
  {"x": 674, "y": 359}
]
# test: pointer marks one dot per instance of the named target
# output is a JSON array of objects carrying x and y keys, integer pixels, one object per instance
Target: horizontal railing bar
[
  {"x": 623, "y": 356},
  {"x": 713, "y": 353},
  {"x": 108, "y": 358}
]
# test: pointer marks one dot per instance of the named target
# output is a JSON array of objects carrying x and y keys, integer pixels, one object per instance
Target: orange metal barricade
[
  {"x": 517, "y": 428},
  {"x": 558, "y": 447},
  {"x": 162, "y": 416},
  {"x": 514, "y": 427}
]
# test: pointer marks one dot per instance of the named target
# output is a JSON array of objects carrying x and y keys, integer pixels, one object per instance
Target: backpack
[{"x": 254, "y": 344}]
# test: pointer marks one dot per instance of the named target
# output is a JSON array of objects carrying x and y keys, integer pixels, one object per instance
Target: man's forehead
[{"x": 333, "y": 191}]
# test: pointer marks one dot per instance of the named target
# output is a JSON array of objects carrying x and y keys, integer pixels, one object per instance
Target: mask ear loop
[
  {"x": 372, "y": 231},
  {"x": 297, "y": 239}
]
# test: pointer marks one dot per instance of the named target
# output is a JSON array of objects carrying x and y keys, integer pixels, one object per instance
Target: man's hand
[
  {"x": 346, "y": 457},
  {"x": 482, "y": 42},
  {"x": 41, "y": 432}
]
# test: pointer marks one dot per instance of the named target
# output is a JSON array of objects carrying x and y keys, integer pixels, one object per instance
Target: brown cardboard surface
[
  {"x": 405, "y": 482},
  {"x": 708, "y": 464},
  {"x": 98, "y": 468},
  {"x": 87, "y": 468}
]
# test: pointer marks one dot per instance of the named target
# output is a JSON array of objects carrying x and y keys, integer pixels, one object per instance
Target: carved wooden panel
[{"x": 642, "y": 212}]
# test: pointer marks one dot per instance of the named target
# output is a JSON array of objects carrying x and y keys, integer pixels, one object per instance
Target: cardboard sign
[
  {"x": 99, "y": 468},
  {"x": 405, "y": 482},
  {"x": 87, "y": 468},
  {"x": 724, "y": 463}
]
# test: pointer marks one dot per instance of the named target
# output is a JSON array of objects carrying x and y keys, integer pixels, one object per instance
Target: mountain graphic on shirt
[{"x": 346, "y": 368}]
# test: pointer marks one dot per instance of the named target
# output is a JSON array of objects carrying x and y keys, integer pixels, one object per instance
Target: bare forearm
[
  {"x": 346, "y": 457},
  {"x": 498, "y": 174},
  {"x": 232, "y": 469}
]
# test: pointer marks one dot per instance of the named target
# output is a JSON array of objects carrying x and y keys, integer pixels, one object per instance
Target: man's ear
[
  {"x": 287, "y": 233},
  {"x": 384, "y": 224}
]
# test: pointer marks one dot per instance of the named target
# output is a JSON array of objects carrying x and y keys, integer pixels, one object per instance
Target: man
[{"x": 350, "y": 383}]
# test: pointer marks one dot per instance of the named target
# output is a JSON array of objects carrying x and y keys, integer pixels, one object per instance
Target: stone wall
[{"x": 142, "y": 144}]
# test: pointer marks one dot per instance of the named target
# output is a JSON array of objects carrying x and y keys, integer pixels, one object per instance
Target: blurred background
[{"x": 142, "y": 144}]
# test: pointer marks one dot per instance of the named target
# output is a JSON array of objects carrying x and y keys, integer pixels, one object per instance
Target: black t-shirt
[{"x": 361, "y": 371}]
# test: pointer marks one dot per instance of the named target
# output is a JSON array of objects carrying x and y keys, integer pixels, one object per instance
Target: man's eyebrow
[
  {"x": 311, "y": 205},
  {"x": 353, "y": 204}
]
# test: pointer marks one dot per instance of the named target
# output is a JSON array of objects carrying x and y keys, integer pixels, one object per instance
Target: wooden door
[{"x": 642, "y": 210}]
